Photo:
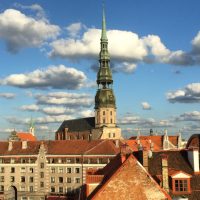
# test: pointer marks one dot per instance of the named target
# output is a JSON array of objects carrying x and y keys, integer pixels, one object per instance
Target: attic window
[{"x": 181, "y": 185}]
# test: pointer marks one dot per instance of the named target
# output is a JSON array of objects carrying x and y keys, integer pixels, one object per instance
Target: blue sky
[{"x": 49, "y": 57}]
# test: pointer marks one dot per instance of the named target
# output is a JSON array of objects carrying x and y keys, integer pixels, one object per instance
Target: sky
[{"x": 49, "y": 59}]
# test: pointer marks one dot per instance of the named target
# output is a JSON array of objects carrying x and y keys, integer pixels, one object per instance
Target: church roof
[
  {"x": 75, "y": 125},
  {"x": 26, "y": 136}
]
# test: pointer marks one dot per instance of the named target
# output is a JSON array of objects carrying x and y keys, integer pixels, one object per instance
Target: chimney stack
[
  {"x": 10, "y": 145},
  {"x": 165, "y": 176},
  {"x": 145, "y": 158},
  {"x": 24, "y": 144}
]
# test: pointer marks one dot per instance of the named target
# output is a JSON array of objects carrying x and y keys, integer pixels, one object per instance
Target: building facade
[{"x": 41, "y": 169}]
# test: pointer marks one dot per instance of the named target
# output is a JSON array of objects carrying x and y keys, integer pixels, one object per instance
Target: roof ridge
[{"x": 94, "y": 147}]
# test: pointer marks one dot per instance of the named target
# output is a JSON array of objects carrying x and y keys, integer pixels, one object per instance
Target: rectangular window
[
  {"x": 12, "y": 160},
  {"x": 2, "y": 179},
  {"x": 41, "y": 184},
  {"x": 60, "y": 189},
  {"x": 41, "y": 165},
  {"x": 23, "y": 160},
  {"x": 69, "y": 170},
  {"x": 12, "y": 170},
  {"x": 23, "y": 169},
  {"x": 111, "y": 113},
  {"x": 31, "y": 170},
  {"x": 53, "y": 170},
  {"x": 23, "y": 179},
  {"x": 24, "y": 198},
  {"x": 53, "y": 189},
  {"x": 104, "y": 120},
  {"x": 52, "y": 179},
  {"x": 77, "y": 160},
  {"x": 181, "y": 185},
  {"x": 1, "y": 188},
  {"x": 31, "y": 179},
  {"x": 22, "y": 188},
  {"x": 77, "y": 170},
  {"x": 69, "y": 180},
  {"x": 60, "y": 179},
  {"x": 12, "y": 179},
  {"x": 60, "y": 170},
  {"x": 77, "y": 180},
  {"x": 1, "y": 169},
  {"x": 41, "y": 174},
  {"x": 104, "y": 113},
  {"x": 31, "y": 189}
]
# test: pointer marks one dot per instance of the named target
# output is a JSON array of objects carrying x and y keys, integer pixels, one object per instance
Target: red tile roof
[
  {"x": 128, "y": 181},
  {"x": 62, "y": 147},
  {"x": 26, "y": 137}
]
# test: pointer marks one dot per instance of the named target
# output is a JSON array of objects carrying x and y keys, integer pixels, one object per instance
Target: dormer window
[{"x": 181, "y": 182}]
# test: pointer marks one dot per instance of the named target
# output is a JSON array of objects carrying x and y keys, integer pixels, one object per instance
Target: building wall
[{"x": 111, "y": 133}]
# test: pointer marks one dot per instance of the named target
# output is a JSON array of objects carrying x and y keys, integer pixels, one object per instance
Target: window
[
  {"x": 111, "y": 121},
  {"x": 69, "y": 170},
  {"x": 1, "y": 169},
  {"x": 12, "y": 160},
  {"x": 23, "y": 169},
  {"x": 31, "y": 170},
  {"x": 77, "y": 180},
  {"x": 12, "y": 170},
  {"x": 104, "y": 113},
  {"x": 52, "y": 179},
  {"x": 12, "y": 179},
  {"x": 41, "y": 184},
  {"x": 181, "y": 185},
  {"x": 24, "y": 198},
  {"x": 1, "y": 188},
  {"x": 23, "y": 188},
  {"x": 69, "y": 189},
  {"x": 53, "y": 189},
  {"x": 77, "y": 170},
  {"x": 77, "y": 160},
  {"x": 31, "y": 179},
  {"x": 60, "y": 170},
  {"x": 23, "y": 179},
  {"x": 69, "y": 180},
  {"x": 60, "y": 179},
  {"x": 68, "y": 160},
  {"x": 104, "y": 120},
  {"x": 113, "y": 134},
  {"x": 31, "y": 189},
  {"x": 31, "y": 160},
  {"x": 60, "y": 189},
  {"x": 111, "y": 113},
  {"x": 53, "y": 170},
  {"x": 41, "y": 174},
  {"x": 1, "y": 178},
  {"x": 41, "y": 165},
  {"x": 109, "y": 135},
  {"x": 23, "y": 160}
]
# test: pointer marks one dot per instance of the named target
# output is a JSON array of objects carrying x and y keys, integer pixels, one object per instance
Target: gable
[{"x": 181, "y": 175}]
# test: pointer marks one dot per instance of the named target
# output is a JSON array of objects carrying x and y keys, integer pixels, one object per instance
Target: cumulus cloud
[
  {"x": 189, "y": 94},
  {"x": 7, "y": 95},
  {"x": 21, "y": 31},
  {"x": 53, "y": 110},
  {"x": 144, "y": 122},
  {"x": 135, "y": 49},
  {"x": 146, "y": 106},
  {"x": 189, "y": 116},
  {"x": 75, "y": 28},
  {"x": 31, "y": 107},
  {"x": 67, "y": 99},
  {"x": 56, "y": 77},
  {"x": 87, "y": 113}
]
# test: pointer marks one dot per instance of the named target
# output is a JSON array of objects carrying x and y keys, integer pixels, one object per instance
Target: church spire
[{"x": 104, "y": 76}]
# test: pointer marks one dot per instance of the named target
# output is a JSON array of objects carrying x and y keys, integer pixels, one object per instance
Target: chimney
[
  {"x": 24, "y": 144},
  {"x": 10, "y": 145},
  {"x": 145, "y": 161},
  {"x": 117, "y": 143},
  {"x": 165, "y": 176},
  {"x": 193, "y": 157}
]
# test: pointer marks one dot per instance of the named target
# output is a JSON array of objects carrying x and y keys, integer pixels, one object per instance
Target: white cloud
[
  {"x": 7, "y": 95},
  {"x": 57, "y": 110},
  {"x": 31, "y": 107},
  {"x": 189, "y": 116},
  {"x": 196, "y": 43},
  {"x": 146, "y": 106},
  {"x": 87, "y": 113},
  {"x": 189, "y": 94},
  {"x": 67, "y": 99},
  {"x": 20, "y": 31},
  {"x": 57, "y": 77},
  {"x": 75, "y": 28}
]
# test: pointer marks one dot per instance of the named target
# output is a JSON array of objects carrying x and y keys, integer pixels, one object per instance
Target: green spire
[
  {"x": 104, "y": 75},
  {"x": 103, "y": 32}
]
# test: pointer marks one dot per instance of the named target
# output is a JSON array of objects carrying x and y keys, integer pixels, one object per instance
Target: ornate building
[{"x": 103, "y": 125}]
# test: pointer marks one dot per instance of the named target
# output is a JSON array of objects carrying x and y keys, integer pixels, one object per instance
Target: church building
[{"x": 103, "y": 125}]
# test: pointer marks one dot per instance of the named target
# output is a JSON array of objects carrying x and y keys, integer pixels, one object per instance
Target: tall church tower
[{"x": 105, "y": 106}]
